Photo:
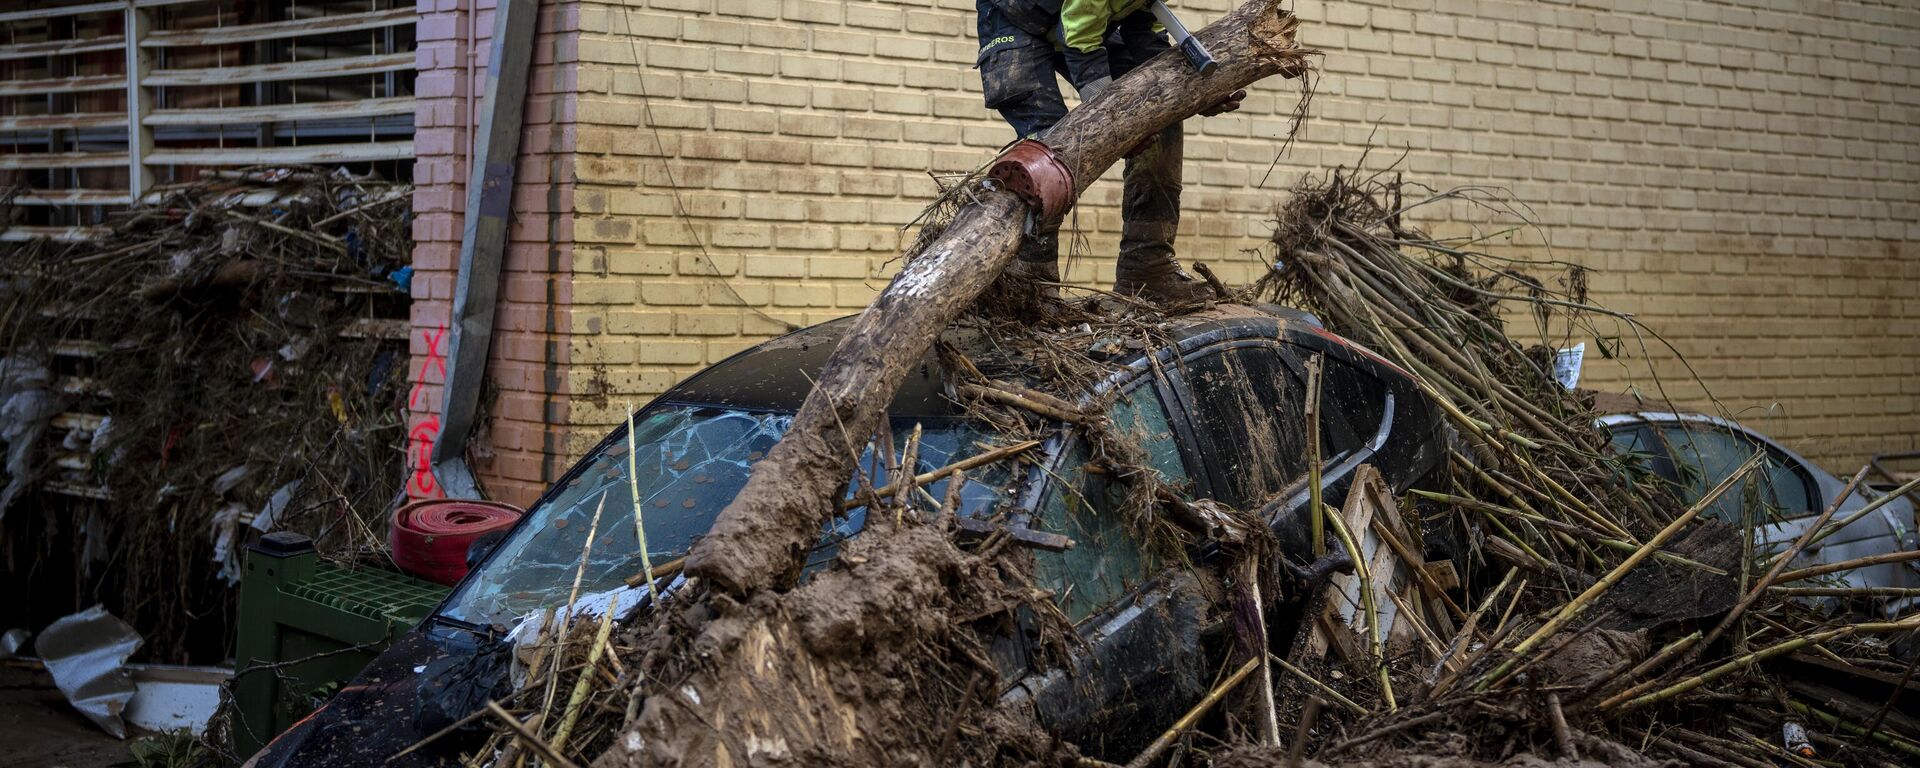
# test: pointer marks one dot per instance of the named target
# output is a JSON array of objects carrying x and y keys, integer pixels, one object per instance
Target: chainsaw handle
[{"x": 1197, "y": 56}]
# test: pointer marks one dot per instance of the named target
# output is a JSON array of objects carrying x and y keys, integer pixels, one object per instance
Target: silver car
[{"x": 1696, "y": 451}]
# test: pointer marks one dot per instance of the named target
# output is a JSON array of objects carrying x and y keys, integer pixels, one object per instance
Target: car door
[
  {"x": 1248, "y": 409},
  {"x": 1138, "y": 663}
]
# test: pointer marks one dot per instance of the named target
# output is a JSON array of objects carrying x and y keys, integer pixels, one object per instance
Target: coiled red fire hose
[{"x": 430, "y": 537}]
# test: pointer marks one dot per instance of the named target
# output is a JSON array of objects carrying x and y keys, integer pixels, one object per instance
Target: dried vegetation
[{"x": 237, "y": 352}]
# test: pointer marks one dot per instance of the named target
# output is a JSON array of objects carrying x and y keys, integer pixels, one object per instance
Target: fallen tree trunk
[{"x": 761, "y": 538}]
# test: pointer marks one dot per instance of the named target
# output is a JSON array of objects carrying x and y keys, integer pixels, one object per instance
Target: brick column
[{"x": 519, "y": 446}]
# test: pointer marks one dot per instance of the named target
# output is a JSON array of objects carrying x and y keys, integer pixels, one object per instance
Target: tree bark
[{"x": 760, "y": 540}]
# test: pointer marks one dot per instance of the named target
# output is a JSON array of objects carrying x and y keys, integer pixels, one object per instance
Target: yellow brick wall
[{"x": 1745, "y": 174}]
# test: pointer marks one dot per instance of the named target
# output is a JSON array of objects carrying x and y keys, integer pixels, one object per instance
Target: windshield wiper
[{"x": 441, "y": 619}]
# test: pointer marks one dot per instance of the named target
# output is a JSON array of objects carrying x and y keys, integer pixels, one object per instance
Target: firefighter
[{"x": 1023, "y": 45}]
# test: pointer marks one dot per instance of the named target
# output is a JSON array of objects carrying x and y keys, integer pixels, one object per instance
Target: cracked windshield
[{"x": 690, "y": 461}]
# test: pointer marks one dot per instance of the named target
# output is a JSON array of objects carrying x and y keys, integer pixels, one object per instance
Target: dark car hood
[{"x": 426, "y": 681}]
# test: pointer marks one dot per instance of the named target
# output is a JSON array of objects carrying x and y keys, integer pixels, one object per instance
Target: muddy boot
[
  {"x": 1157, "y": 276},
  {"x": 1030, "y": 278},
  {"x": 1024, "y": 285},
  {"x": 1150, "y": 210}
]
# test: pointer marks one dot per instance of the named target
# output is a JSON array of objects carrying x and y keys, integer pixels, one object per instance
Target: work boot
[
  {"x": 1034, "y": 276},
  {"x": 1158, "y": 277},
  {"x": 1150, "y": 215}
]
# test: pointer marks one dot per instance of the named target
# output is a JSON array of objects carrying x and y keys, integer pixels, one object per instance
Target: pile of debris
[
  {"x": 1608, "y": 613},
  {"x": 1585, "y": 614},
  {"x": 230, "y": 359}
]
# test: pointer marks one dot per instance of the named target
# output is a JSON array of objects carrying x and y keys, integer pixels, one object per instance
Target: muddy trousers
[
  {"x": 1019, "y": 77},
  {"x": 1149, "y": 211}
]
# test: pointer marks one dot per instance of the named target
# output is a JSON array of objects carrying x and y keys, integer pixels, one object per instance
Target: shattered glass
[{"x": 690, "y": 462}]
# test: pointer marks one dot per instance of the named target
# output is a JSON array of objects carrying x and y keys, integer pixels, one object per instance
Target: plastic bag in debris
[
  {"x": 226, "y": 535},
  {"x": 623, "y": 601},
  {"x": 87, "y": 655},
  {"x": 11, "y": 642},
  {"x": 275, "y": 506},
  {"x": 228, "y": 479},
  {"x": 96, "y": 549},
  {"x": 103, "y": 437},
  {"x": 27, "y": 405}
]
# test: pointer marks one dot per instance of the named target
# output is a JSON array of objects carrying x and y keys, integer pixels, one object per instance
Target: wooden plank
[
  {"x": 283, "y": 113},
  {"x": 59, "y": 11},
  {"x": 20, "y": 233},
  {"x": 254, "y": 199},
  {"x": 63, "y": 85},
  {"x": 58, "y": 48},
  {"x": 76, "y": 10},
  {"x": 278, "y": 30},
  {"x": 81, "y": 491},
  {"x": 1345, "y": 609},
  {"x": 365, "y": 289},
  {"x": 85, "y": 422},
  {"x": 292, "y": 70},
  {"x": 79, "y": 385},
  {"x": 76, "y": 348},
  {"x": 67, "y": 121},
  {"x": 137, "y": 24},
  {"x": 73, "y": 197},
  {"x": 63, "y": 160},
  {"x": 1443, "y": 574},
  {"x": 371, "y": 328},
  {"x": 307, "y": 155}
]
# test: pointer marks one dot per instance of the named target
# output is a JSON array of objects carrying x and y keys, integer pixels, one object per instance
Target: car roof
[{"x": 777, "y": 375}]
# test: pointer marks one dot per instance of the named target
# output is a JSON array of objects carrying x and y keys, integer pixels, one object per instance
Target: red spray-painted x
[{"x": 420, "y": 439}]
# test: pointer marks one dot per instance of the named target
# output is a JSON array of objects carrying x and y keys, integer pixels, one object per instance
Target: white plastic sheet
[{"x": 87, "y": 655}]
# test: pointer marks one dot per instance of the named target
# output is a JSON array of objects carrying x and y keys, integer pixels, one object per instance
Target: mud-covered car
[
  {"x": 1219, "y": 410},
  {"x": 1694, "y": 452}
]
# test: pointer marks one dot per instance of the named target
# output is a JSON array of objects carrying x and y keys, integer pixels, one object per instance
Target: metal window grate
[{"x": 103, "y": 103}]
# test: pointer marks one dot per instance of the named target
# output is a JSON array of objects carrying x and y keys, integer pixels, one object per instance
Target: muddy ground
[{"x": 39, "y": 730}]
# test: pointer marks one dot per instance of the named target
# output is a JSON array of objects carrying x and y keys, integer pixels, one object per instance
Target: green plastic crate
[{"x": 306, "y": 627}]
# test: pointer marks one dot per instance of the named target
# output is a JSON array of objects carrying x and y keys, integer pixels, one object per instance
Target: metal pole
[{"x": 483, "y": 240}]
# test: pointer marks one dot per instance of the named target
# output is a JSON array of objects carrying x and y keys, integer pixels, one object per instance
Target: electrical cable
[{"x": 673, "y": 185}]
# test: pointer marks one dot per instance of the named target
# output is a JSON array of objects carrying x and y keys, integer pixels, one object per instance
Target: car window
[
  {"x": 1248, "y": 408},
  {"x": 1636, "y": 443},
  {"x": 1107, "y": 559},
  {"x": 1705, "y": 455},
  {"x": 1353, "y": 403},
  {"x": 1787, "y": 487},
  {"x": 691, "y": 461},
  {"x": 1626, "y": 441}
]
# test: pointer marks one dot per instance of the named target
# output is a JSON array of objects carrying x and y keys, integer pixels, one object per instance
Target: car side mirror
[{"x": 477, "y": 551}]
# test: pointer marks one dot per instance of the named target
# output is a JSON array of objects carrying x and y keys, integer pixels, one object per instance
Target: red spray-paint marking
[
  {"x": 434, "y": 360},
  {"x": 420, "y": 445},
  {"x": 421, "y": 438}
]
